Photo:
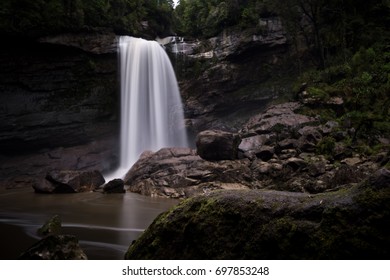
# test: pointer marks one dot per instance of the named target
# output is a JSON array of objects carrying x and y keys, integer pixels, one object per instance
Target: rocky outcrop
[
  {"x": 226, "y": 79},
  {"x": 352, "y": 223},
  {"x": 280, "y": 149},
  {"x": 217, "y": 145},
  {"x": 54, "y": 245},
  {"x": 69, "y": 182},
  {"x": 103, "y": 42},
  {"x": 24, "y": 170},
  {"x": 54, "y": 96},
  {"x": 58, "y": 107},
  {"x": 52, "y": 227},
  {"x": 180, "y": 173}
]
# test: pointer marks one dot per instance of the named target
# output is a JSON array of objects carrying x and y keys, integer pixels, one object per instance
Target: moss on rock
[{"x": 352, "y": 223}]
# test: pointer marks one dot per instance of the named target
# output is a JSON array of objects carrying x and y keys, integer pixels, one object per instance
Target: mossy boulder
[
  {"x": 52, "y": 227},
  {"x": 351, "y": 223},
  {"x": 55, "y": 247}
]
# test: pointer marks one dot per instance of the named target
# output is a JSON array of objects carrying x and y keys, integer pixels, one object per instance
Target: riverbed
[{"x": 104, "y": 224}]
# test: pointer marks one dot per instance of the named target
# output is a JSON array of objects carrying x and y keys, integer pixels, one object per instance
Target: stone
[
  {"x": 350, "y": 223},
  {"x": 280, "y": 119},
  {"x": 180, "y": 173},
  {"x": 68, "y": 181},
  {"x": 381, "y": 178},
  {"x": 252, "y": 143},
  {"x": 295, "y": 163},
  {"x": 217, "y": 145},
  {"x": 265, "y": 153},
  {"x": 347, "y": 174},
  {"x": 329, "y": 127},
  {"x": 317, "y": 168},
  {"x": 114, "y": 186},
  {"x": 55, "y": 247},
  {"x": 51, "y": 227},
  {"x": 352, "y": 161}
]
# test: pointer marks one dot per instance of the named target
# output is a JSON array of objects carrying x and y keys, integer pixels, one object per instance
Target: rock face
[
  {"x": 228, "y": 78},
  {"x": 54, "y": 97},
  {"x": 104, "y": 42},
  {"x": 217, "y": 145},
  {"x": 69, "y": 182},
  {"x": 58, "y": 107},
  {"x": 352, "y": 223}
]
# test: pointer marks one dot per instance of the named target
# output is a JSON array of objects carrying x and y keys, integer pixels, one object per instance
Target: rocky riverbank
[{"x": 279, "y": 149}]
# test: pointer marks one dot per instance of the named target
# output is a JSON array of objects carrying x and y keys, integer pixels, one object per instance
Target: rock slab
[
  {"x": 68, "y": 181},
  {"x": 352, "y": 223}
]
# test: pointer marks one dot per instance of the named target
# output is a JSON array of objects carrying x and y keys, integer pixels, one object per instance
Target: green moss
[
  {"x": 347, "y": 224},
  {"x": 326, "y": 146}
]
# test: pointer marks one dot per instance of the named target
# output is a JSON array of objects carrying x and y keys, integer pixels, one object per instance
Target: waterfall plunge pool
[{"x": 104, "y": 224}]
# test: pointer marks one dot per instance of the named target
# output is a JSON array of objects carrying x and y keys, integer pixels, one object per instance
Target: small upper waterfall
[{"x": 151, "y": 109}]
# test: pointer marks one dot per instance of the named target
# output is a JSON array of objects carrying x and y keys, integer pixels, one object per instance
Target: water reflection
[{"x": 105, "y": 224}]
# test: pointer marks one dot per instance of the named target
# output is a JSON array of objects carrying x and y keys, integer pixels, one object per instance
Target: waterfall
[{"x": 151, "y": 109}]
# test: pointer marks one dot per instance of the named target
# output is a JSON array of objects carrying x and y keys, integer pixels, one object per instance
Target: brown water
[{"x": 105, "y": 224}]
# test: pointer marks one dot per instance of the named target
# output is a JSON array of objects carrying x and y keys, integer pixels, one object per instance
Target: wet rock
[
  {"x": 351, "y": 223},
  {"x": 55, "y": 247},
  {"x": 51, "y": 227},
  {"x": 114, "y": 186},
  {"x": 217, "y": 145},
  {"x": 69, "y": 182}
]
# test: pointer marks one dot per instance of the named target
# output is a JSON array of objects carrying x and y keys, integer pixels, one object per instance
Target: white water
[{"x": 151, "y": 109}]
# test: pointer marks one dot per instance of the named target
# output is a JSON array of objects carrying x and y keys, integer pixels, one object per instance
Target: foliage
[
  {"x": 42, "y": 17},
  {"x": 326, "y": 146}
]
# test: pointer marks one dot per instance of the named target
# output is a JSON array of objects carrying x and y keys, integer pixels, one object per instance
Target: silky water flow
[{"x": 151, "y": 109}]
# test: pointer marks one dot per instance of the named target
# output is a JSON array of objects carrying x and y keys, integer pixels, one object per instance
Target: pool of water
[{"x": 104, "y": 224}]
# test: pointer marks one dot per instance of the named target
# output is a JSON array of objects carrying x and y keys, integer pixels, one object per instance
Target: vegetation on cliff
[{"x": 341, "y": 51}]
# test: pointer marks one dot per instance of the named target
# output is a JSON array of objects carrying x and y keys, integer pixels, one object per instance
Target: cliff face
[
  {"x": 228, "y": 78},
  {"x": 58, "y": 96}
]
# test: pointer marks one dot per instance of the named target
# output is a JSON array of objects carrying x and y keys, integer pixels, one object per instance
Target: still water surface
[{"x": 105, "y": 224}]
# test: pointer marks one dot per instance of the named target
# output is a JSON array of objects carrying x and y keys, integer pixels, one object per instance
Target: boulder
[
  {"x": 280, "y": 119},
  {"x": 114, "y": 186},
  {"x": 66, "y": 181},
  {"x": 351, "y": 223},
  {"x": 217, "y": 145},
  {"x": 51, "y": 227},
  {"x": 180, "y": 173},
  {"x": 55, "y": 247},
  {"x": 265, "y": 153}
]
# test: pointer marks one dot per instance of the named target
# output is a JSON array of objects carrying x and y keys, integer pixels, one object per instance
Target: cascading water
[{"x": 151, "y": 109}]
